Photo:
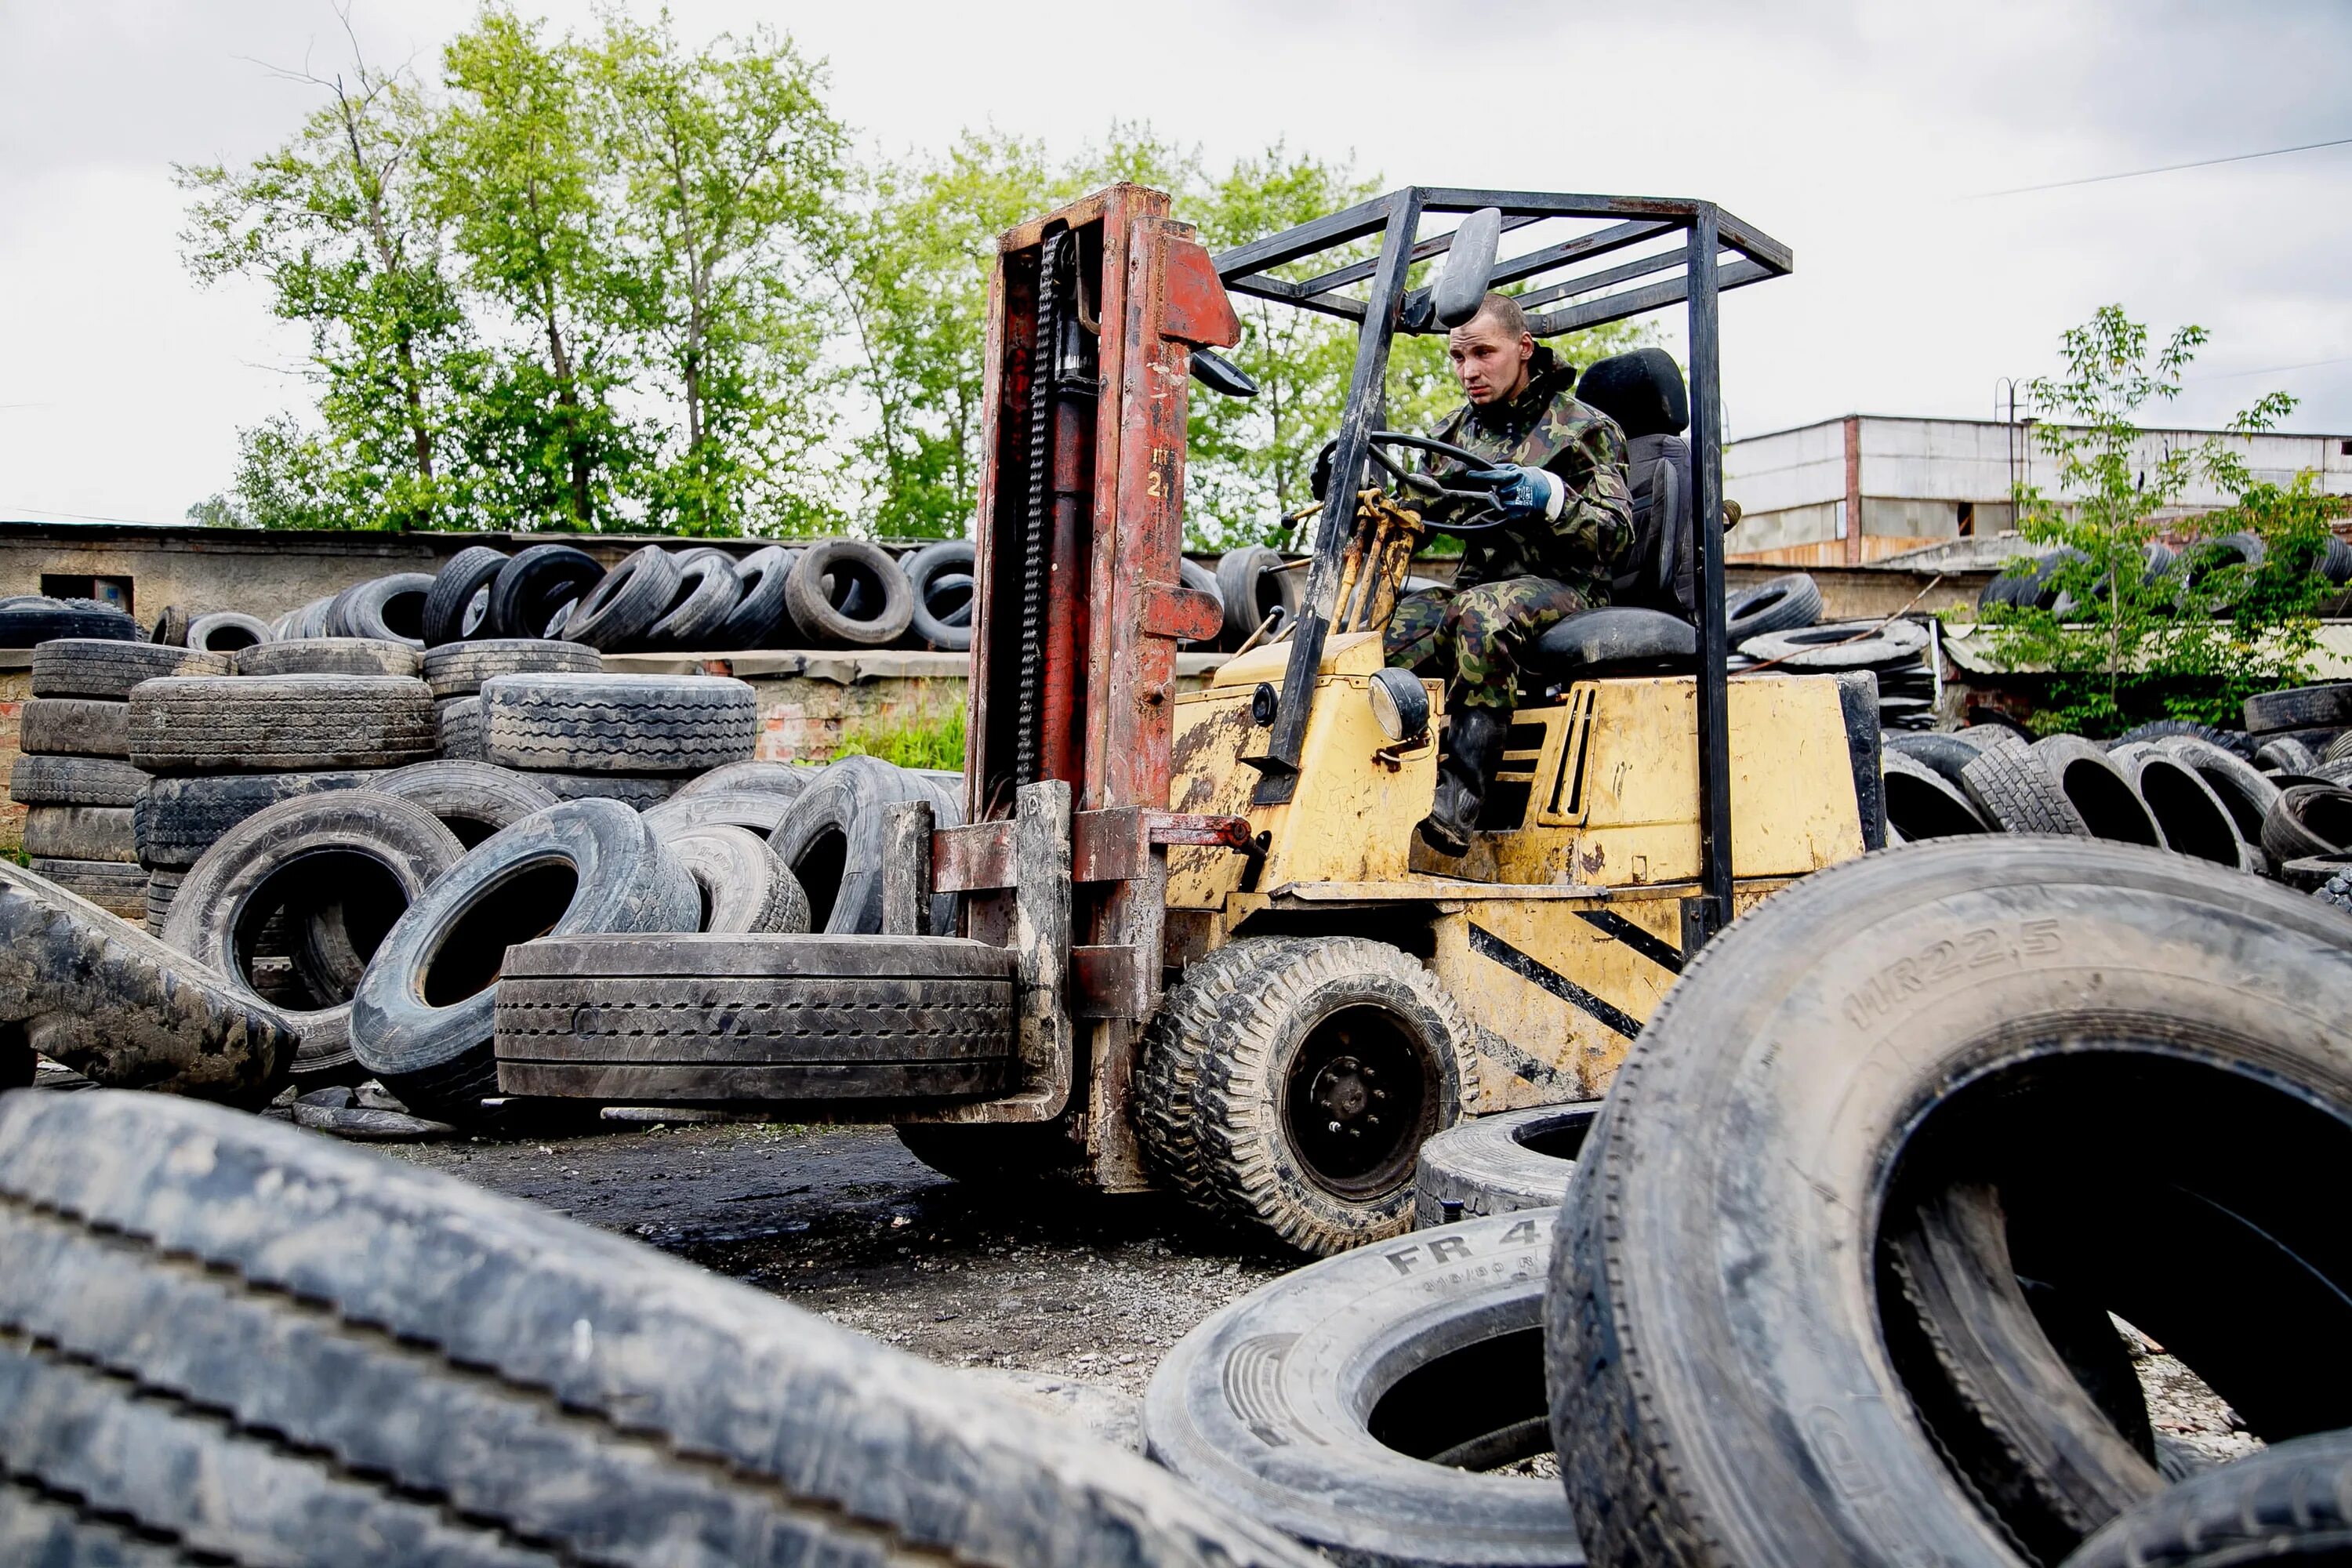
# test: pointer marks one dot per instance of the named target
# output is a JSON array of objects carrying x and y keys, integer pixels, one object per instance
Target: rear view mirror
[
  {"x": 1218, "y": 374},
  {"x": 1469, "y": 262}
]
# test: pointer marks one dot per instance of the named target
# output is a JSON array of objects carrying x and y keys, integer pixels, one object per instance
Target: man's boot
[{"x": 1473, "y": 750}]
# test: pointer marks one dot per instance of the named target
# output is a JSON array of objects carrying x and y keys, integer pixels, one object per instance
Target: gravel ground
[{"x": 843, "y": 1221}]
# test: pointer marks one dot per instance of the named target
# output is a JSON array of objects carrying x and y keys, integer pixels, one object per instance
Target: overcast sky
[{"x": 1860, "y": 135}]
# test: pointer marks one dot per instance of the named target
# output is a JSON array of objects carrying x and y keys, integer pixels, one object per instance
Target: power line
[
  {"x": 2270, "y": 369},
  {"x": 2163, "y": 169}
]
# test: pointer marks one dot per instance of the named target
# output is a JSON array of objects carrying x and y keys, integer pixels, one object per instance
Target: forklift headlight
[{"x": 1400, "y": 704}]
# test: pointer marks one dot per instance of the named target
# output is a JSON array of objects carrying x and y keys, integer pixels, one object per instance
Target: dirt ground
[{"x": 845, "y": 1222}]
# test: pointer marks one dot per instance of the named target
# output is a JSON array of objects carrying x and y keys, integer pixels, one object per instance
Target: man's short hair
[{"x": 1504, "y": 313}]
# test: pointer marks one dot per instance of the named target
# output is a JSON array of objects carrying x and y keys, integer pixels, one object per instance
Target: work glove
[{"x": 1524, "y": 494}]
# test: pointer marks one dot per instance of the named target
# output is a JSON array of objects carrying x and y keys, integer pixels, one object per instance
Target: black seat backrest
[{"x": 1642, "y": 392}]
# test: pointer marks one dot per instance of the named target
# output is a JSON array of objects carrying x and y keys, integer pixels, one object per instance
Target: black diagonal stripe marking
[
  {"x": 1634, "y": 937},
  {"x": 1536, "y": 972}
]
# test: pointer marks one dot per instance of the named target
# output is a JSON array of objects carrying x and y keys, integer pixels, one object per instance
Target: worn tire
[
  {"x": 832, "y": 576},
  {"x": 386, "y": 609},
  {"x": 100, "y": 667},
  {"x": 2287, "y": 754},
  {"x": 384, "y": 1364},
  {"x": 1839, "y": 1043},
  {"x": 1785, "y": 603},
  {"x": 74, "y": 727},
  {"x": 224, "y": 632},
  {"x": 171, "y": 627},
  {"x": 2010, "y": 789},
  {"x": 1946, "y": 755},
  {"x": 637, "y": 791},
  {"x": 1841, "y": 644},
  {"x": 746, "y": 891},
  {"x": 330, "y": 656},
  {"x": 2243, "y": 790},
  {"x": 421, "y": 1021},
  {"x": 706, "y": 596},
  {"x": 458, "y": 605},
  {"x": 832, "y": 840},
  {"x": 1921, "y": 802},
  {"x": 87, "y": 988},
  {"x": 1259, "y": 1157},
  {"x": 2308, "y": 819},
  {"x": 280, "y": 723},
  {"x": 758, "y": 813},
  {"x": 785, "y": 779},
  {"x": 940, "y": 578},
  {"x": 74, "y": 781},
  {"x": 177, "y": 819},
  {"x": 2237, "y": 743},
  {"x": 458, "y": 728},
  {"x": 33, "y": 620},
  {"x": 2327, "y": 707},
  {"x": 2290, "y": 1505},
  {"x": 787, "y": 1019},
  {"x": 618, "y": 723},
  {"x": 117, "y": 887},
  {"x": 539, "y": 588},
  {"x": 459, "y": 668},
  {"x": 80, "y": 833},
  {"x": 362, "y": 854},
  {"x": 626, "y": 602},
  {"x": 1354, "y": 1403},
  {"x": 1500, "y": 1163},
  {"x": 472, "y": 800},
  {"x": 758, "y": 600},
  {"x": 1253, "y": 585},
  {"x": 2099, "y": 791},
  {"x": 2193, "y": 819}
]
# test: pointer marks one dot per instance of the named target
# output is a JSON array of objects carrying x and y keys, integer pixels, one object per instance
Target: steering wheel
[{"x": 1428, "y": 487}]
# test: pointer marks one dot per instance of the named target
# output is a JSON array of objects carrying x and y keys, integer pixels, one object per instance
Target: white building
[{"x": 1869, "y": 486}]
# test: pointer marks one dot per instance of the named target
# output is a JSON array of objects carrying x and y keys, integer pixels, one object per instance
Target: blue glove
[{"x": 1524, "y": 494}]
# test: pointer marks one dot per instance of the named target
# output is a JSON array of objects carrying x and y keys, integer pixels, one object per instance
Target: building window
[
  {"x": 1968, "y": 519},
  {"x": 2344, "y": 448},
  {"x": 111, "y": 590}
]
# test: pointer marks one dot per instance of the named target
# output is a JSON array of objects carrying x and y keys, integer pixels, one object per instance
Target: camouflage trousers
[{"x": 1472, "y": 636}]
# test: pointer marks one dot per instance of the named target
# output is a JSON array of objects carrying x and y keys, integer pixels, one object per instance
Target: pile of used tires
[
  {"x": 2275, "y": 798},
  {"x": 1777, "y": 625},
  {"x": 2034, "y": 584},
  {"x": 1873, "y": 1255},
  {"x": 344, "y": 836}
]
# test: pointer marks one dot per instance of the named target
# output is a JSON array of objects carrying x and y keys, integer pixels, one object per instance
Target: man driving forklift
[{"x": 1558, "y": 477}]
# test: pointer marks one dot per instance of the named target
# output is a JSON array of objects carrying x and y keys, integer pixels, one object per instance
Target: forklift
[{"x": 1241, "y": 976}]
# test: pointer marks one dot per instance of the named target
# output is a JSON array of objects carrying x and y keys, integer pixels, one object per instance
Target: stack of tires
[
  {"x": 455, "y": 672},
  {"x": 298, "y": 717},
  {"x": 75, "y": 780},
  {"x": 1777, "y": 625},
  {"x": 28, "y": 620}
]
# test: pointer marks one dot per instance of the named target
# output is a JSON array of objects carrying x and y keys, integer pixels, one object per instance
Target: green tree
[
  {"x": 519, "y": 178},
  {"x": 732, "y": 165},
  {"x": 2124, "y": 642},
  {"x": 336, "y": 222}
]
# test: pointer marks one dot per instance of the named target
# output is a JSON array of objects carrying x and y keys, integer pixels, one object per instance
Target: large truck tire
[
  {"x": 473, "y": 799},
  {"x": 76, "y": 781},
  {"x": 75, "y": 727},
  {"x": 387, "y": 609},
  {"x": 280, "y": 723},
  {"x": 623, "y": 606},
  {"x": 1843, "y": 1065},
  {"x": 107, "y": 669},
  {"x": 421, "y": 1020},
  {"x": 745, "y": 889},
  {"x": 848, "y": 592},
  {"x": 618, "y": 723},
  {"x": 2290, "y": 1506},
  {"x": 86, "y": 988},
  {"x": 233, "y": 1342},
  {"x": 538, "y": 591},
  {"x": 80, "y": 833},
  {"x": 330, "y": 656},
  {"x": 831, "y": 839},
  {"x": 758, "y": 600},
  {"x": 119, "y": 889},
  {"x": 1500, "y": 1163},
  {"x": 785, "y": 779},
  {"x": 1358, "y": 1403},
  {"x": 458, "y": 605},
  {"x": 1315, "y": 1068},
  {"x": 177, "y": 819},
  {"x": 706, "y": 1018},
  {"x": 355, "y": 859}
]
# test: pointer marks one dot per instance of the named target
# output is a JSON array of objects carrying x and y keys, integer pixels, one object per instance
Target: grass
[{"x": 936, "y": 744}]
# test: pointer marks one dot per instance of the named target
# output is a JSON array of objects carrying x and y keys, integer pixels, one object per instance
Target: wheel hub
[{"x": 1359, "y": 1092}]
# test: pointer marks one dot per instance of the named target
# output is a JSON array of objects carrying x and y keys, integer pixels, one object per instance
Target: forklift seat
[
  {"x": 1616, "y": 639},
  {"x": 1642, "y": 392}
]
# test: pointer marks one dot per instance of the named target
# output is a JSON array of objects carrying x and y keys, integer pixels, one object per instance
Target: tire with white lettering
[
  {"x": 1363, "y": 1404},
  {"x": 1319, "y": 1065},
  {"x": 1894, "y": 1149},
  {"x": 1509, "y": 1160},
  {"x": 227, "y": 1340}
]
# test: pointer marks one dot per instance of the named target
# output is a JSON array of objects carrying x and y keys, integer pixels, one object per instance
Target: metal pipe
[{"x": 1715, "y": 869}]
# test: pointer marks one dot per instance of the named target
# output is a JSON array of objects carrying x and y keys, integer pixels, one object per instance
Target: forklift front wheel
[{"x": 1332, "y": 1060}]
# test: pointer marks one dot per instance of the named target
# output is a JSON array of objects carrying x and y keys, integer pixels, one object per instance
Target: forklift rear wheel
[{"x": 1334, "y": 1058}]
